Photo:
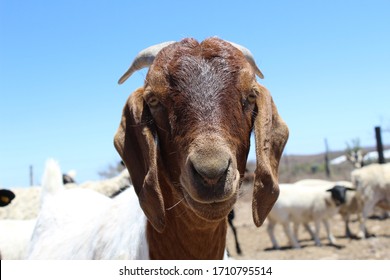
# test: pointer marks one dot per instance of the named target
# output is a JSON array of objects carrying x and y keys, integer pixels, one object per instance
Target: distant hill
[{"x": 297, "y": 167}]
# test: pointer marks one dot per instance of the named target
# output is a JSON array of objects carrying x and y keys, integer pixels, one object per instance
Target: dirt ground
[{"x": 256, "y": 244}]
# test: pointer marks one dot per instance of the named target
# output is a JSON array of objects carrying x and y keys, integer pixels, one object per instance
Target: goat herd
[
  {"x": 335, "y": 206},
  {"x": 184, "y": 138}
]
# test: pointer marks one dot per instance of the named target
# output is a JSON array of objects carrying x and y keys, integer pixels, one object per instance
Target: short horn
[
  {"x": 144, "y": 59},
  {"x": 249, "y": 57}
]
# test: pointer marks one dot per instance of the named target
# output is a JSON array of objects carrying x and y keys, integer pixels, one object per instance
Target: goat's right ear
[{"x": 135, "y": 143}]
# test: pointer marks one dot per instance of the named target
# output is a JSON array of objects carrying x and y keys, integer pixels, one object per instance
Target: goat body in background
[
  {"x": 303, "y": 202},
  {"x": 372, "y": 183}
]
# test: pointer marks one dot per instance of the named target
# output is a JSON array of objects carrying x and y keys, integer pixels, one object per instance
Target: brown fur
[{"x": 185, "y": 138}]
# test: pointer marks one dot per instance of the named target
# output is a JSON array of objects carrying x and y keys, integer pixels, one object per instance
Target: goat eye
[
  {"x": 153, "y": 101},
  {"x": 252, "y": 97}
]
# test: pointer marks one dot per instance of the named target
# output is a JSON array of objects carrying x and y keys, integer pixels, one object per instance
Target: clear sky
[{"x": 326, "y": 63}]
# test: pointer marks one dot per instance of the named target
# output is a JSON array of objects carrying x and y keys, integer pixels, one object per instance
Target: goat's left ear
[
  {"x": 136, "y": 145},
  {"x": 271, "y": 134}
]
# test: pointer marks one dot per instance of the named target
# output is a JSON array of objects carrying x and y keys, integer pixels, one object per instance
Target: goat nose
[{"x": 211, "y": 170}]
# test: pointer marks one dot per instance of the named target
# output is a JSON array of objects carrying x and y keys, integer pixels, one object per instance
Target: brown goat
[{"x": 185, "y": 137}]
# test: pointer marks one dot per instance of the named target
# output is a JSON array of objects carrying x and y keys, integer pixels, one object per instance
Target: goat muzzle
[
  {"x": 210, "y": 172},
  {"x": 210, "y": 181}
]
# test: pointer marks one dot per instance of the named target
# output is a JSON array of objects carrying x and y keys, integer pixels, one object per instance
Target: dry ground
[{"x": 255, "y": 242}]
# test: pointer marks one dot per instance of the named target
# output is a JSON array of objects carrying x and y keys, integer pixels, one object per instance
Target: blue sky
[{"x": 326, "y": 63}]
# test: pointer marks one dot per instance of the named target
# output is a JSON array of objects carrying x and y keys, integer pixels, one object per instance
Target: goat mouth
[
  {"x": 211, "y": 202},
  {"x": 213, "y": 211}
]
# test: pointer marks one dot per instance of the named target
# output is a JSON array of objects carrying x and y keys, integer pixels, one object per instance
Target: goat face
[
  {"x": 193, "y": 119},
  {"x": 338, "y": 194}
]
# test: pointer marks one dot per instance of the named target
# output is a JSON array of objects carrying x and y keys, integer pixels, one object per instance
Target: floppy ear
[
  {"x": 271, "y": 134},
  {"x": 135, "y": 141}
]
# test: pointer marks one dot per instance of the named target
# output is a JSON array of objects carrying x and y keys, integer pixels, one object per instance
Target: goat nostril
[{"x": 211, "y": 172}]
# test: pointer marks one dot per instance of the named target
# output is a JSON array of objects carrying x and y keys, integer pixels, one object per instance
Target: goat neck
[
  {"x": 186, "y": 234},
  {"x": 187, "y": 238}
]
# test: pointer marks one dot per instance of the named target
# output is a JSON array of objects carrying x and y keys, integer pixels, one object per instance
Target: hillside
[{"x": 296, "y": 167}]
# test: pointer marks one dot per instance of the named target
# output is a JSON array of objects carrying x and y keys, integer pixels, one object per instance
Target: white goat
[
  {"x": 372, "y": 184},
  {"x": 298, "y": 203},
  {"x": 353, "y": 202},
  {"x": 14, "y": 238},
  {"x": 97, "y": 226},
  {"x": 16, "y": 233},
  {"x": 26, "y": 204}
]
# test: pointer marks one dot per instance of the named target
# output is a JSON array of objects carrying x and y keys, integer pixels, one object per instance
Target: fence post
[
  {"x": 379, "y": 145},
  {"x": 31, "y": 176},
  {"x": 327, "y": 169}
]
